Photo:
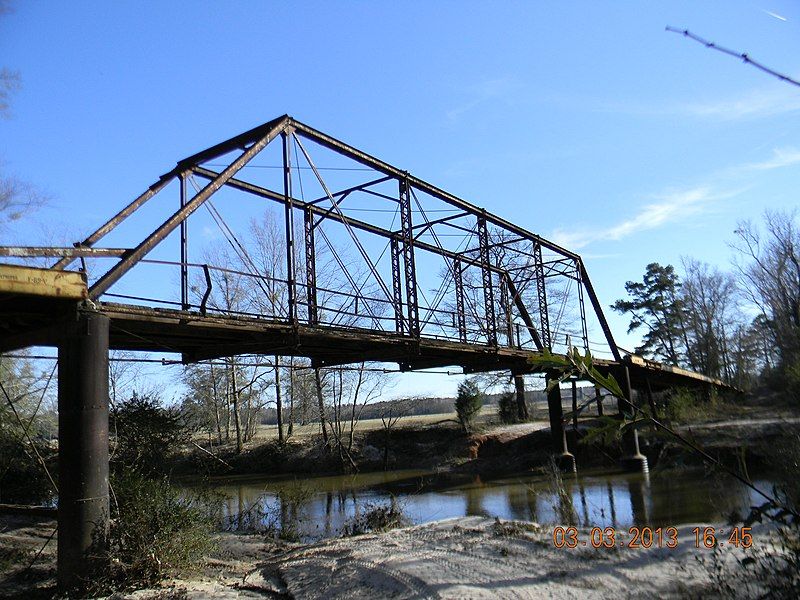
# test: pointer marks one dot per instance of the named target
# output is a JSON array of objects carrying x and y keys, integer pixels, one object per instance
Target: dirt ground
[{"x": 470, "y": 557}]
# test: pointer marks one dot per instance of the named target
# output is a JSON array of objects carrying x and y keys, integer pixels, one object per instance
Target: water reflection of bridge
[
  {"x": 367, "y": 263},
  {"x": 320, "y": 507}
]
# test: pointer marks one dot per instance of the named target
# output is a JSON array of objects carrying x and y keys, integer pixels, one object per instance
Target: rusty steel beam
[
  {"x": 541, "y": 291},
  {"x": 289, "y": 226},
  {"x": 598, "y": 311},
  {"x": 109, "y": 225},
  {"x": 72, "y": 253},
  {"x": 113, "y": 275},
  {"x": 370, "y": 161},
  {"x": 184, "y": 247},
  {"x": 356, "y": 188},
  {"x": 311, "y": 266},
  {"x": 238, "y": 142},
  {"x": 409, "y": 264},
  {"x": 488, "y": 288},
  {"x": 268, "y": 194},
  {"x": 523, "y": 312}
]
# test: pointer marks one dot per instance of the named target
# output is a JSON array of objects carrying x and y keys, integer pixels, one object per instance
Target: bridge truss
[{"x": 354, "y": 260}]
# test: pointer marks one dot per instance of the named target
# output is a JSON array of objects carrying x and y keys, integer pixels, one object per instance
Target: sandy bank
[{"x": 470, "y": 557}]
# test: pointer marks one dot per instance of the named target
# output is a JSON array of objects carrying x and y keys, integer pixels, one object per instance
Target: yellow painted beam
[{"x": 33, "y": 281}]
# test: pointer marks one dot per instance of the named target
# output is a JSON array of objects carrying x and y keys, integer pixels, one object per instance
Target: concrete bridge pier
[
  {"x": 632, "y": 459},
  {"x": 83, "y": 507},
  {"x": 564, "y": 459}
]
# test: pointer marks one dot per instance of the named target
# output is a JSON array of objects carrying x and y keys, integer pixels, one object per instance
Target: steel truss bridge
[{"x": 352, "y": 260}]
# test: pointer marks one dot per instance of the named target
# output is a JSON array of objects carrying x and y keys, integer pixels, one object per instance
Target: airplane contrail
[{"x": 776, "y": 15}]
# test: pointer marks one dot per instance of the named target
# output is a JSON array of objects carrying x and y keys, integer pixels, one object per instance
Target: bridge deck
[{"x": 35, "y": 314}]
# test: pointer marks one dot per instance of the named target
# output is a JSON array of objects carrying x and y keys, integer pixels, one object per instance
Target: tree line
[{"x": 740, "y": 325}]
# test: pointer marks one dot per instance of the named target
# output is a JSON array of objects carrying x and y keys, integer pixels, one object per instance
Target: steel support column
[
  {"x": 488, "y": 291},
  {"x": 397, "y": 288},
  {"x": 83, "y": 509},
  {"x": 311, "y": 266},
  {"x": 575, "y": 405},
  {"x": 460, "y": 314},
  {"x": 558, "y": 434},
  {"x": 599, "y": 400},
  {"x": 584, "y": 328},
  {"x": 522, "y": 406},
  {"x": 289, "y": 223},
  {"x": 541, "y": 292},
  {"x": 632, "y": 459},
  {"x": 184, "y": 248},
  {"x": 505, "y": 302},
  {"x": 407, "y": 230}
]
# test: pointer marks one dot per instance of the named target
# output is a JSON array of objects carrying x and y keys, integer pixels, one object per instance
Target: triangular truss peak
[{"x": 354, "y": 246}]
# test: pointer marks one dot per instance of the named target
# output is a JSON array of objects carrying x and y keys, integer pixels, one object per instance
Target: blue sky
[{"x": 582, "y": 121}]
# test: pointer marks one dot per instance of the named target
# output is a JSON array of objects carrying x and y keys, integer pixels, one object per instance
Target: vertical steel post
[
  {"x": 488, "y": 291},
  {"x": 289, "y": 223},
  {"x": 599, "y": 399},
  {"x": 633, "y": 459},
  {"x": 83, "y": 509},
  {"x": 541, "y": 292},
  {"x": 311, "y": 266},
  {"x": 505, "y": 301},
  {"x": 575, "y": 405},
  {"x": 408, "y": 258},
  {"x": 397, "y": 288},
  {"x": 184, "y": 248},
  {"x": 558, "y": 434},
  {"x": 461, "y": 315},
  {"x": 522, "y": 406},
  {"x": 584, "y": 328}
]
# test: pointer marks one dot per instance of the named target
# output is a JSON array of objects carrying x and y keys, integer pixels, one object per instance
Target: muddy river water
[{"x": 312, "y": 508}]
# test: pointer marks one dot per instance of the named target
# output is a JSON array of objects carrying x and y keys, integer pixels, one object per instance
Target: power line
[
  {"x": 734, "y": 53},
  {"x": 169, "y": 363}
]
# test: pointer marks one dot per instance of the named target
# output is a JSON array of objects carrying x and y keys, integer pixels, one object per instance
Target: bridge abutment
[{"x": 83, "y": 506}]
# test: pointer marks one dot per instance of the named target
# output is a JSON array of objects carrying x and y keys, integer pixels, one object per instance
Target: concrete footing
[{"x": 636, "y": 463}]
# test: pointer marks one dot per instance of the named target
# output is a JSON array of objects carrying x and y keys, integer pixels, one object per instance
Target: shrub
[
  {"x": 468, "y": 403},
  {"x": 507, "y": 408},
  {"x": 376, "y": 519},
  {"x": 155, "y": 530},
  {"x": 793, "y": 380},
  {"x": 146, "y": 434},
  {"x": 22, "y": 478}
]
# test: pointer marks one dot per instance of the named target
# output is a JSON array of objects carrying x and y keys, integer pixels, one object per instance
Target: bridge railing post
[{"x": 83, "y": 508}]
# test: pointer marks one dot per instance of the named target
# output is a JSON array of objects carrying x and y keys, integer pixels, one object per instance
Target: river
[{"x": 312, "y": 508}]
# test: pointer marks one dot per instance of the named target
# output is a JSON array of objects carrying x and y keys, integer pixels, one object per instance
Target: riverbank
[
  {"x": 737, "y": 434},
  {"x": 472, "y": 557}
]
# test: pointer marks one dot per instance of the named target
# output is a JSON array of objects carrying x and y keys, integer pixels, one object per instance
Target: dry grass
[{"x": 487, "y": 416}]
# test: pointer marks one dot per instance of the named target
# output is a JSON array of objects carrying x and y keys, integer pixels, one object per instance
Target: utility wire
[
  {"x": 734, "y": 53},
  {"x": 169, "y": 363}
]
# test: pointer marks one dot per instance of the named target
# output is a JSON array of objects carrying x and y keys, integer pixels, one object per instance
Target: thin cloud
[
  {"x": 676, "y": 205},
  {"x": 756, "y": 104},
  {"x": 669, "y": 207},
  {"x": 501, "y": 88},
  {"x": 781, "y": 157}
]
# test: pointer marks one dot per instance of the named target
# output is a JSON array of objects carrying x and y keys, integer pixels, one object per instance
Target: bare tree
[
  {"x": 710, "y": 316},
  {"x": 769, "y": 269},
  {"x": 351, "y": 391},
  {"x": 392, "y": 413}
]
